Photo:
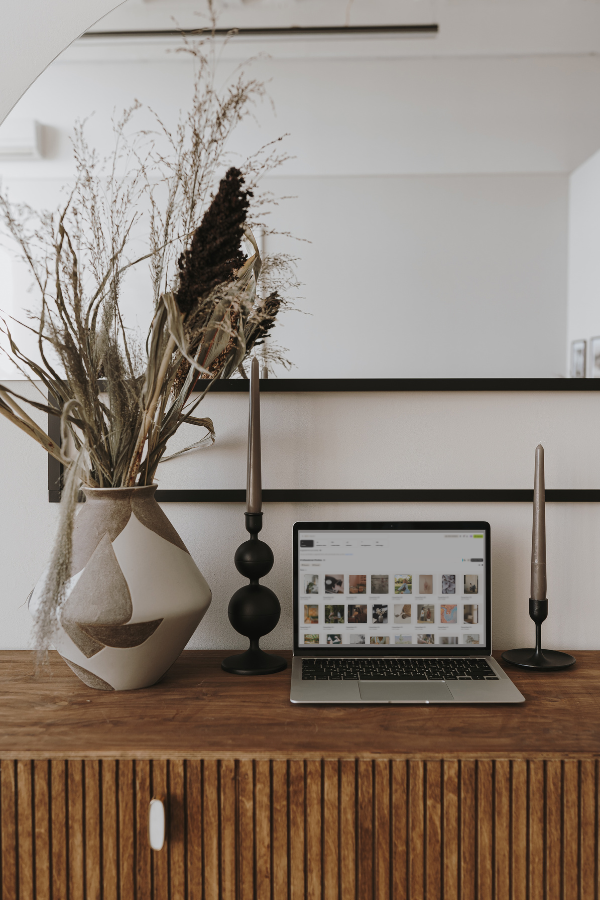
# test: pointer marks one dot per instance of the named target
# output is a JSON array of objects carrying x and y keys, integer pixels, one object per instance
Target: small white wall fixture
[{"x": 20, "y": 139}]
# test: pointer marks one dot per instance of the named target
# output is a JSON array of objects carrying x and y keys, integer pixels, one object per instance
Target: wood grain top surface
[{"x": 198, "y": 710}]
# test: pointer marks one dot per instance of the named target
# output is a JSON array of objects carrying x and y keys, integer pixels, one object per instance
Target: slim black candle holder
[
  {"x": 536, "y": 658},
  {"x": 254, "y": 610}
]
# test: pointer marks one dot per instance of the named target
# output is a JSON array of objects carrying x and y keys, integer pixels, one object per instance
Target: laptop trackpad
[{"x": 403, "y": 692}]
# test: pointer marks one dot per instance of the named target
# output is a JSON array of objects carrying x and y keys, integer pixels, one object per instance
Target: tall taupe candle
[
  {"x": 254, "y": 484},
  {"x": 538, "y": 540}
]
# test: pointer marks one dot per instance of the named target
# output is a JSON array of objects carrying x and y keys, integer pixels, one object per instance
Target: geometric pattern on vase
[
  {"x": 88, "y": 677},
  {"x": 99, "y": 598},
  {"x": 135, "y": 596}
]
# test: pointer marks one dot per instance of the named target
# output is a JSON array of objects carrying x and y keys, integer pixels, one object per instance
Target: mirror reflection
[{"x": 445, "y": 188}]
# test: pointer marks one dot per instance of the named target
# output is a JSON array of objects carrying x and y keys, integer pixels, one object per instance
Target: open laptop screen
[{"x": 399, "y": 588}]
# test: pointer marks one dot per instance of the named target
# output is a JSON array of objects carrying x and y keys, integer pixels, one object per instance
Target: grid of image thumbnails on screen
[{"x": 399, "y": 608}]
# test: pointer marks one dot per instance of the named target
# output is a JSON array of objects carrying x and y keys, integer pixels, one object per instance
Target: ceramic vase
[{"x": 135, "y": 596}]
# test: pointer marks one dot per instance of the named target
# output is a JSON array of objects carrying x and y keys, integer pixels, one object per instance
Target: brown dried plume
[
  {"x": 263, "y": 321},
  {"x": 215, "y": 250}
]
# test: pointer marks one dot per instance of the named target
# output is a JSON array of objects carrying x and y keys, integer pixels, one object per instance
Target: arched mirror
[{"x": 443, "y": 181}]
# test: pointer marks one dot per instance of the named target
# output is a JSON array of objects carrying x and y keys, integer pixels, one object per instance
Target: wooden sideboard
[{"x": 269, "y": 800}]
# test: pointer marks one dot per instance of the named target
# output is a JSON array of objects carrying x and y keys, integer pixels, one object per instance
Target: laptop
[{"x": 395, "y": 612}]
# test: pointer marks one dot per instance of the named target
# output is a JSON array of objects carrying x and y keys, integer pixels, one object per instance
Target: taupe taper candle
[
  {"x": 254, "y": 484},
  {"x": 538, "y": 540}
]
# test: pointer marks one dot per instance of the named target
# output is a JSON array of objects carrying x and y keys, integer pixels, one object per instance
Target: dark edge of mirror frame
[{"x": 377, "y": 495}]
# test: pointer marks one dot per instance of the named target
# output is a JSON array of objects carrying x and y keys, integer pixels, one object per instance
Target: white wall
[
  {"x": 346, "y": 113},
  {"x": 425, "y": 440},
  {"x": 427, "y": 276},
  {"x": 584, "y": 254}
]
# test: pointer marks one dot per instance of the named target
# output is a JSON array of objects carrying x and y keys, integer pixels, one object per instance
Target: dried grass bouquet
[{"x": 214, "y": 302}]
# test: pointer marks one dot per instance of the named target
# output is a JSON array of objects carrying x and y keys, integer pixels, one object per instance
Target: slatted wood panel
[{"x": 310, "y": 829}]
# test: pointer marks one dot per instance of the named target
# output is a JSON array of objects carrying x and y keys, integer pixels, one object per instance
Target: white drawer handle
[{"x": 156, "y": 823}]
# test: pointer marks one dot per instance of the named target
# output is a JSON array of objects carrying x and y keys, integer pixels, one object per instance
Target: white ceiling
[{"x": 467, "y": 27}]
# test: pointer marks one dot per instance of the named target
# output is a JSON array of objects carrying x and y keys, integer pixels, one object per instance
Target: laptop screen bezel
[{"x": 315, "y": 650}]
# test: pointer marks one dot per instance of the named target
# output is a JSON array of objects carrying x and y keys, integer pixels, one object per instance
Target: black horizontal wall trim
[
  {"x": 321, "y": 385},
  {"x": 350, "y": 495},
  {"x": 294, "y": 31},
  {"x": 368, "y": 495}
]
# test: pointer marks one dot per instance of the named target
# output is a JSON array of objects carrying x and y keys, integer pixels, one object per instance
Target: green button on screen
[{"x": 477, "y": 535}]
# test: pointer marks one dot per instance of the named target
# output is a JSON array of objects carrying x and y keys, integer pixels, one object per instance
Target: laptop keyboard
[{"x": 393, "y": 669}]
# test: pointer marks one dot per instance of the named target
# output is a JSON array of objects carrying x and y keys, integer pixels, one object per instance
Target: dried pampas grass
[{"x": 215, "y": 300}]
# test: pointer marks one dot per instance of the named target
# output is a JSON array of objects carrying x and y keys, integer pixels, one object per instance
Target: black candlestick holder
[
  {"x": 536, "y": 658},
  {"x": 254, "y": 610}
]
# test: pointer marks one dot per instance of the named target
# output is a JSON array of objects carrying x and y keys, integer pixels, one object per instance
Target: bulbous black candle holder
[
  {"x": 254, "y": 610},
  {"x": 536, "y": 658}
]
